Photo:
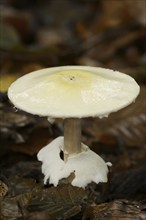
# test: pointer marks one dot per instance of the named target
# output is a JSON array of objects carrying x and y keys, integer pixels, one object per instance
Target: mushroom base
[{"x": 87, "y": 166}]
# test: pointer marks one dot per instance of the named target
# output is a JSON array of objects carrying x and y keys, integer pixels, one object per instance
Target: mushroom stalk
[{"x": 72, "y": 137}]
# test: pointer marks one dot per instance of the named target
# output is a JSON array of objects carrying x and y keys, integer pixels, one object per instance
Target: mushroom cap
[{"x": 73, "y": 91}]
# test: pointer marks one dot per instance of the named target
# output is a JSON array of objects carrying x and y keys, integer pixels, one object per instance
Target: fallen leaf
[
  {"x": 62, "y": 201},
  {"x": 3, "y": 189},
  {"x": 116, "y": 210}
]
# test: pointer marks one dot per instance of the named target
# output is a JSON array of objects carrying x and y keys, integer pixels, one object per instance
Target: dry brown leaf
[
  {"x": 62, "y": 201},
  {"x": 116, "y": 210},
  {"x": 3, "y": 189}
]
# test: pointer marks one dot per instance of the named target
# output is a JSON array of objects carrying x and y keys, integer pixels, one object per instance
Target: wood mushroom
[{"x": 72, "y": 93}]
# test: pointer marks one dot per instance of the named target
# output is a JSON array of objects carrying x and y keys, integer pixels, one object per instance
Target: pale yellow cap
[{"x": 73, "y": 91}]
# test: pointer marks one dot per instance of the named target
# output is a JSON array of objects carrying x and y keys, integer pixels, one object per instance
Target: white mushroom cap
[{"x": 73, "y": 91}]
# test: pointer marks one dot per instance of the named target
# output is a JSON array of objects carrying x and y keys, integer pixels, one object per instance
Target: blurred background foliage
[{"x": 37, "y": 34}]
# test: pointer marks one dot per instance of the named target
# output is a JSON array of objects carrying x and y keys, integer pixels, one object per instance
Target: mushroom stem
[{"x": 72, "y": 137}]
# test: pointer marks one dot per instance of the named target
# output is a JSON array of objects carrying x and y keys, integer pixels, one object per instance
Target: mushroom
[{"x": 72, "y": 93}]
